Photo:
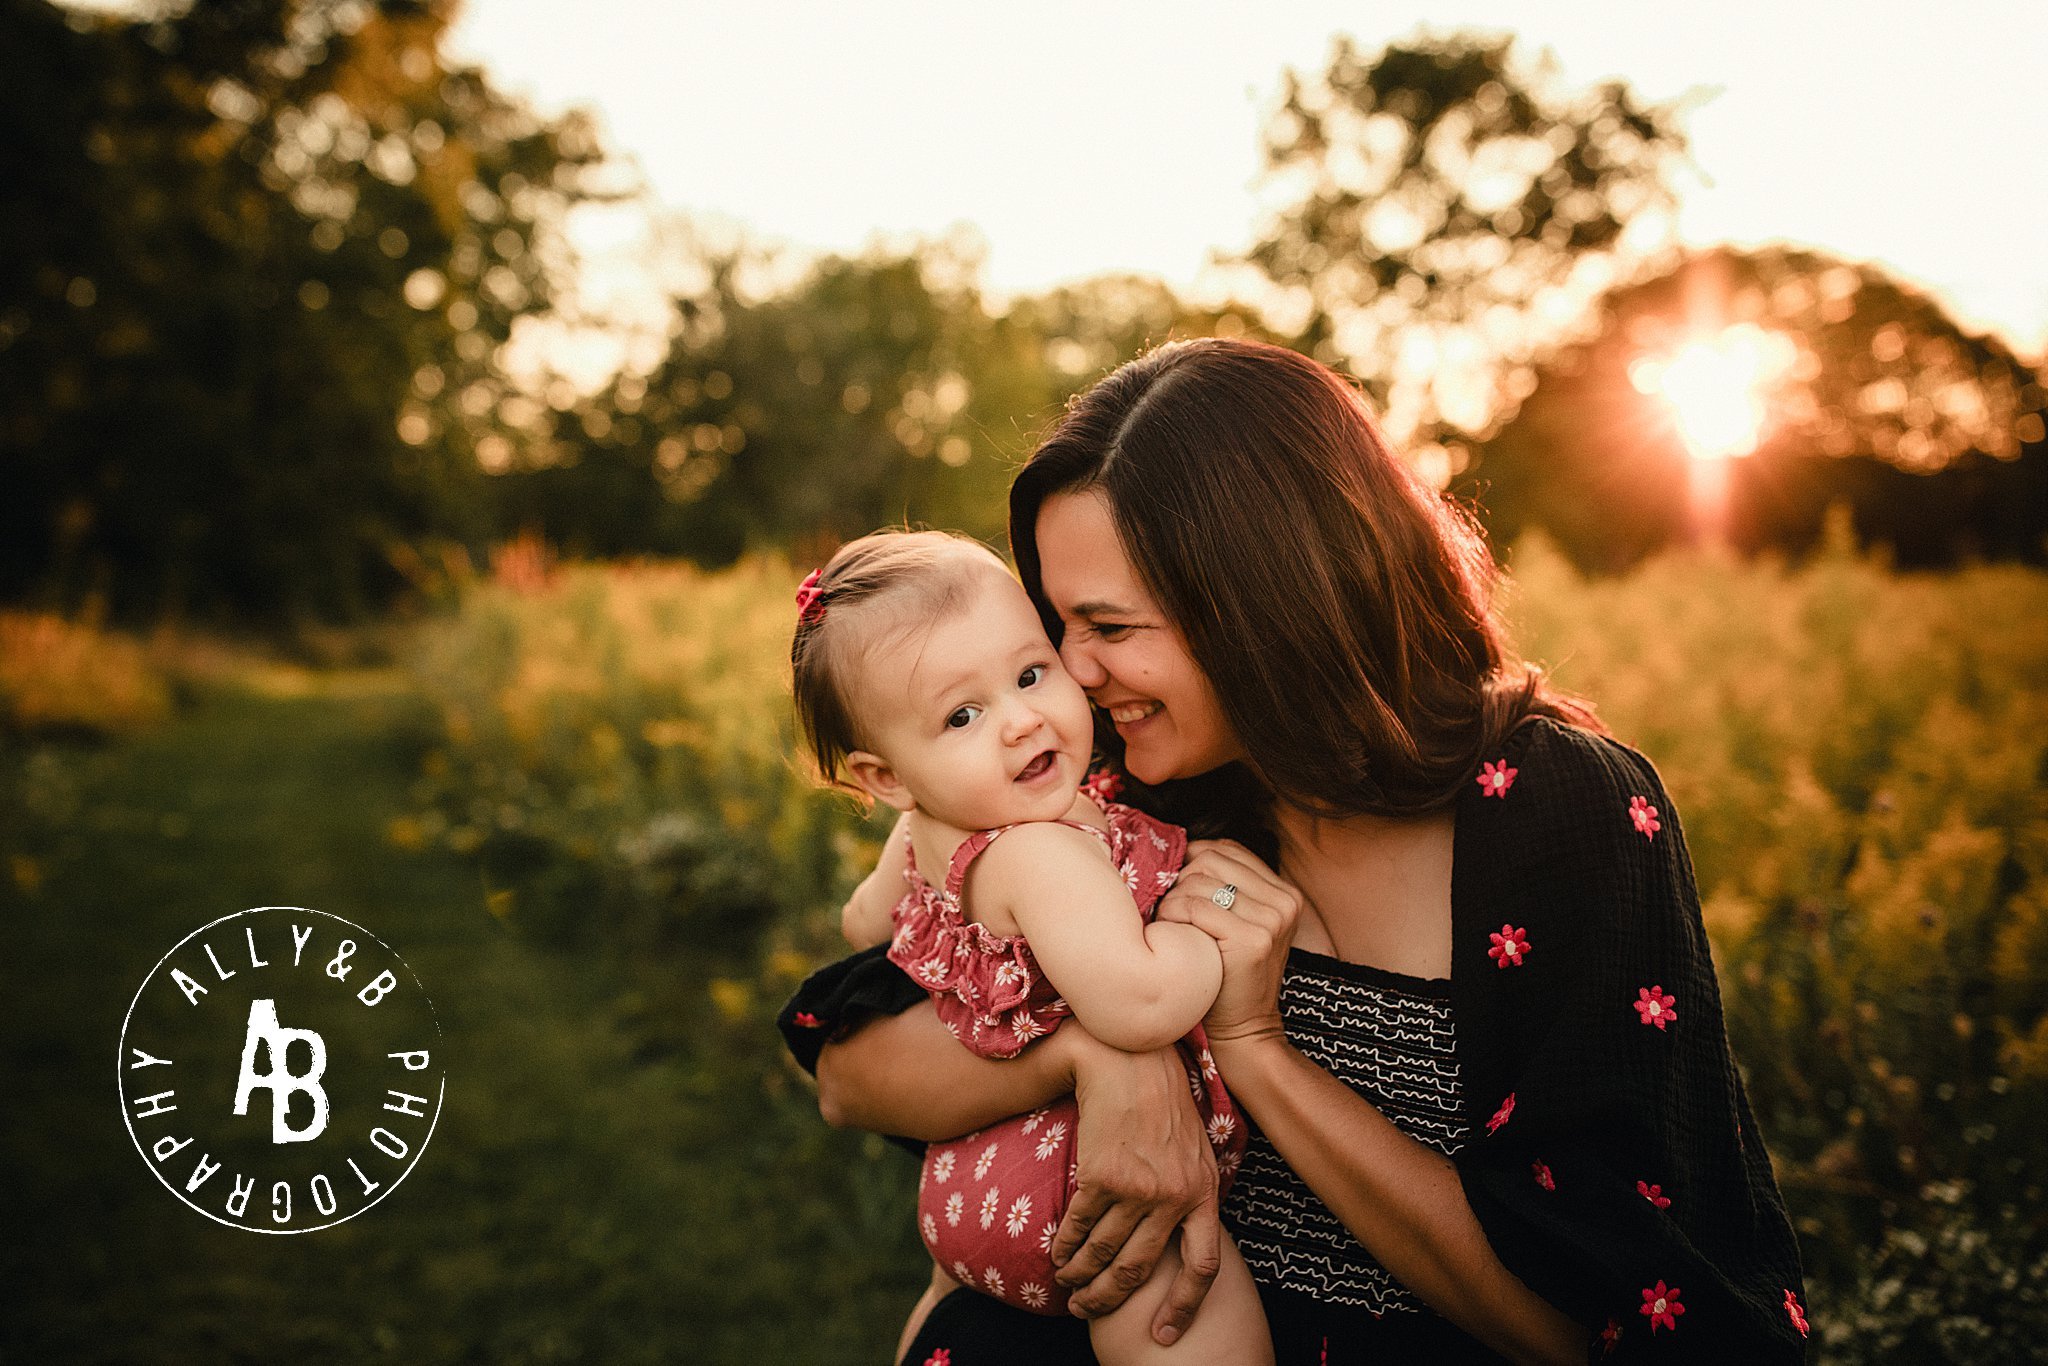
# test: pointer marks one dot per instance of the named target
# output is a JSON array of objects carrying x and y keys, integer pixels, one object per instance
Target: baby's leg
[
  {"x": 1229, "y": 1328},
  {"x": 941, "y": 1286}
]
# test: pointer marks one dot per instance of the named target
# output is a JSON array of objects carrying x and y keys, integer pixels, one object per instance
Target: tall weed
[
  {"x": 1858, "y": 756},
  {"x": 59, "y": 676},
  {"x": 1861, "y": 761},
  {"x": 614, "y": 748},
  {"x": 614, "y": 744}
]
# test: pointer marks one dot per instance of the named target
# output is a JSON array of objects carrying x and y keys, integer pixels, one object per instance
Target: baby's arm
[
  {"x": 1133, "y": 986},
  {"x": 868, "y": 917}
]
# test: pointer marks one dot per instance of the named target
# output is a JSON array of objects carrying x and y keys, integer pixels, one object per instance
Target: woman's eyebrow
[{"x": 1101, "y": 609}]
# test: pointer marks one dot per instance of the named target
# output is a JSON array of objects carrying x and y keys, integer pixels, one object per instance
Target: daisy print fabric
[
  {"x": 988, "y": 987},
  {"x": 991, "y": 1201}
]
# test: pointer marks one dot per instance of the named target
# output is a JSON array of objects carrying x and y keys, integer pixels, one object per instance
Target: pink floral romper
[{"x": 989, "y": 1203}]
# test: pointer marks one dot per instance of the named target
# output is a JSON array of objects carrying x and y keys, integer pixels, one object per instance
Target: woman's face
[{"x": 1121, "y": 648}]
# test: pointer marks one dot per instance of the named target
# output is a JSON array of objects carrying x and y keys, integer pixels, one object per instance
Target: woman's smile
[{"x": 1123, "y": 650}]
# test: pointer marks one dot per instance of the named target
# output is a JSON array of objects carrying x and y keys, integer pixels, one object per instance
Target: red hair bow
[{"x": 808, "y": 609}]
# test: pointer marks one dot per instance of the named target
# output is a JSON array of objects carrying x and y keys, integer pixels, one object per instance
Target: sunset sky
[{"x": 1078, "y": 139}]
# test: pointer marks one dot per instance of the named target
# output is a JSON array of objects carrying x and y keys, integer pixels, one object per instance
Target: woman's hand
[
  {"x": 1146, "y": 1169},
  {"x": 1254, "y": 933}
]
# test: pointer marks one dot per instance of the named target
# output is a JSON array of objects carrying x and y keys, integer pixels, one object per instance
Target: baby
[{"x": 924, "y": 679}]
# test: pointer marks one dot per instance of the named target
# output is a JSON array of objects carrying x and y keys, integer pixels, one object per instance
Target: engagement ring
[{"x": 1224, "y": 896}]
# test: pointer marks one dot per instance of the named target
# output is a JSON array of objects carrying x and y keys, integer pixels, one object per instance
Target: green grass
[{"x": 589, "y": 1193}]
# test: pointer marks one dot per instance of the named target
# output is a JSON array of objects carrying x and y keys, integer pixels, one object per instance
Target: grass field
[
  {"x": 582, "y": 1198},
  {"x": 574, "y": 812}
]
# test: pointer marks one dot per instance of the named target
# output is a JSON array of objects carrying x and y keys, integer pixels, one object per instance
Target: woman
[{"x": 1467, "y": 999}]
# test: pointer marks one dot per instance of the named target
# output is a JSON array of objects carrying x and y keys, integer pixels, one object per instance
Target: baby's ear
[{"x": 879, "y": 780}]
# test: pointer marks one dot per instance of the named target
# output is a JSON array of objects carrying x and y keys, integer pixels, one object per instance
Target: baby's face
[{"x": 975, "y": 715}]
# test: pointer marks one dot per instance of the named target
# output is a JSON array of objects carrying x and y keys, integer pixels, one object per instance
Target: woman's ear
[{"x": 879, "y": 780}]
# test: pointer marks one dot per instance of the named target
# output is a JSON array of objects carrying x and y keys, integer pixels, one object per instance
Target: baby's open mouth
[{"x": 1037, "y": 767}]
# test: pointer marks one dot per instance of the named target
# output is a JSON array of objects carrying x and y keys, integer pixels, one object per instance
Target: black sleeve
[
  {"x": 840, "y": 997},
  {"x": 1607, "y": 1163}
]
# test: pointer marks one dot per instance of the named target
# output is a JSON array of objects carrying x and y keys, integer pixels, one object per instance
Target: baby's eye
[
  {"x": 963, "y": 716},
  {"x": 1032, "y": 676}
]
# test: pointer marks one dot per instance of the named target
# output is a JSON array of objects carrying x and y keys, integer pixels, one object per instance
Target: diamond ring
[{"x": 1224, "y": 896}]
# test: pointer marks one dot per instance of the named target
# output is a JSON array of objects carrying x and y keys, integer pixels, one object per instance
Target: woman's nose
[{"x": 1080, "y": 662}]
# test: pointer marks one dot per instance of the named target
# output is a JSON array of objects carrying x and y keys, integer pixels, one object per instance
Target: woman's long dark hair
[{"x": 1341, "y": 608}]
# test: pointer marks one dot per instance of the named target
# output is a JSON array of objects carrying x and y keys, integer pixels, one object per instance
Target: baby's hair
[{"x": 915, "y": 576}]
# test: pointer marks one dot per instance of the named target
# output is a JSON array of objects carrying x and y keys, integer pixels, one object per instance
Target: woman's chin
[
  {"x": 1155, "y": 766},
  {"x": 1150, "y": 769}
]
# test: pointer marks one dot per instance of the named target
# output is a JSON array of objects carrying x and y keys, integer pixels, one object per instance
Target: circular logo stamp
[{"x": 278, "y": 1070}]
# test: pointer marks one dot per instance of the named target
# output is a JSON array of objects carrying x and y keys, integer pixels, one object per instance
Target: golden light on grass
[{"x": 1716, "y": 388}]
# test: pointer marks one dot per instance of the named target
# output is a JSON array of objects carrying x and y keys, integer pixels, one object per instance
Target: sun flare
[{"x": 1715, "y": 389}]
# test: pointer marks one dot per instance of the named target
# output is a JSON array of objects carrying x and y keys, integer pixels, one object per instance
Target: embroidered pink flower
[
  {"x": 1661, "y": 1306},
  {"x": 1543, "y": 1176},
  {"x": 1500, "y": 1116},
  {"x": 1509, "y": 946},
  {"x": 805, "y": 1019},
  {"x": 1610, "y": 1336},
  {"x": 1798, "y": 1314},
  {"x": 1496, "y": 778},
  {"x": 1655, "y": 1007},
  {"x": 1654, "y": 1194},
  {"x": 1103, "y": 785},
  {"x": 1644, "y": 816},
  {"x": 942, "y": 1357}
]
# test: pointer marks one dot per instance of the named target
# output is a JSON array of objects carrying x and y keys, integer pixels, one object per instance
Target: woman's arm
[
  {"x": 905, "y": 1074},
  {"x": 1402, "y": 1200}
]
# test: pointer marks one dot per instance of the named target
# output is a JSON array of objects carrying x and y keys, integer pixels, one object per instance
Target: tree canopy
[
  {"x": 264, "y": 258},
  {"x": 1442, "y": 204},
  {"x": 1868, "y": 393},
  {"x": 253, "y": 280},
  {"x": 870, "y": 390}
]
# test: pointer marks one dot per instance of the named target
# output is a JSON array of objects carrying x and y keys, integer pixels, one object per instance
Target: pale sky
[{"x": 1122, "y": 135}]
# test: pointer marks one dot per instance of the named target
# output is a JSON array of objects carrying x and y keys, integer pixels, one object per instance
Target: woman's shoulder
[
  {"x": 1572, "y": 892},
  {"x": 1561, "y": 762},
  {"x": 1565, "y": 811}
]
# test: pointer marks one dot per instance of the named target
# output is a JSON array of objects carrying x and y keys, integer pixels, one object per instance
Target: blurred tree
[
  {"x": 253, "y": 278},
  {"x": 868, "y": 391},
  {"x": 1850, "y": 388},
  {"x": 1436, "y": 198},
  {"x": 771, "y": 418}
]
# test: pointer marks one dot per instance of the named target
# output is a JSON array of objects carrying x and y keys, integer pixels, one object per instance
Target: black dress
[{"x": 1576, "y": 1071}]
